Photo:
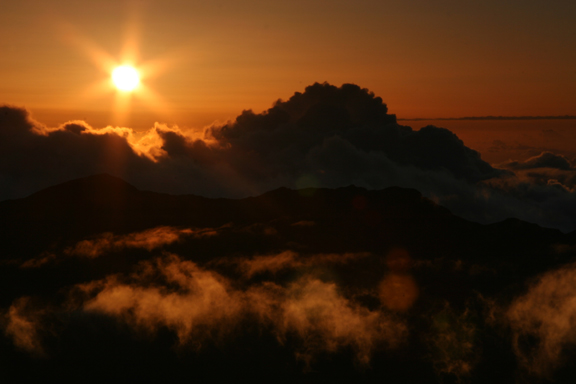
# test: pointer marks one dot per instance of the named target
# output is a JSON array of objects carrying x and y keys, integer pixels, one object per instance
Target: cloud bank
[{"x": 326, "y": 136}]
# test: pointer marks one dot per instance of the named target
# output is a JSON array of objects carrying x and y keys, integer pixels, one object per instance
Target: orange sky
[{"x": 214, "y": 59}]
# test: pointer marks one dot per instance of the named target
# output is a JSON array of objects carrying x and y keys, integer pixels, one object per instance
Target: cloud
[
  {"x": 202, "y": 304},
  {"x": 108, "y": 242},
  {"x": 24, "y": 325},
  {"x": 254, "y": 153},
  {"x": 326, "y": 136},
  {"x": 543, "y": 320},
  {"x": 273, "y": 264},
  {"x": 543, "y": 187},
  {"x": 289, "y": 260},
  {"x": 197, "y": 304},
  {"x": 453, "y": 342},
  {"x": 149, "y": 239},
  {"x": 544, "y": 160},
  {"x": 542, "y": 200},
  {"x": 304, "y": 223},
  {"x": 37, "y": 262},
  {"x": 325, "y": 321},
  {"x": 326, "y": 117}
]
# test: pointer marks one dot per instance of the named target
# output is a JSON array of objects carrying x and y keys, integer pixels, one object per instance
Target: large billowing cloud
[{"x": 326, "y": 136}]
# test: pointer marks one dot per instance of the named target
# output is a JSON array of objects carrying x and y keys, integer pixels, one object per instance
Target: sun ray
[
  {"x": 154, "y": 67},
  {"x": 125, "y": 92},
  {"x": 102, "y": 59},
  {"x": 154, "y": 101},
  {"x": 120, "y": 110},
  {"x": 130, "y": 49},
  {"x": 96, "y": 89}
]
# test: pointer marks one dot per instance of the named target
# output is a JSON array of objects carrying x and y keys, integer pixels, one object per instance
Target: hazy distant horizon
[{"x": 490, "y": 117}]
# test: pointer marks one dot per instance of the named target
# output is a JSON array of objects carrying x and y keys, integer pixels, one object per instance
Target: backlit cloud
[{"x": 326, "y": 136}]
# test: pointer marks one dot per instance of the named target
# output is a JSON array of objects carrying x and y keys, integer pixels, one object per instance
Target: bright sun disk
[{"x": 125, "y": 78}]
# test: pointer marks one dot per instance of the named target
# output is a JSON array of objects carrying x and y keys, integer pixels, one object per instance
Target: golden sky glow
[{"x": 447, "y": 58}]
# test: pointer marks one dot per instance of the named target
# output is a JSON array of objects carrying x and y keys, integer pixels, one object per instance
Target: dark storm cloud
[{"x": 326, "y": 136}]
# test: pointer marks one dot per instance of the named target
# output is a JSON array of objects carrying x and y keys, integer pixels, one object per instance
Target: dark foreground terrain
[{"x": 101, "y": 282}]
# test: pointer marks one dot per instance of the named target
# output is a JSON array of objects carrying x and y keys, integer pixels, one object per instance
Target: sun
[
  {"x": 126, "y": 78},
  {"x": 126, "y": 75}
]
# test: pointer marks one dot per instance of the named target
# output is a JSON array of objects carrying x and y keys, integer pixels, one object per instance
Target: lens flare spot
[
  {"x": 398, "y": 289},
  {"x": 398, "y": 292},
  {"x": 125, "y": 78}
]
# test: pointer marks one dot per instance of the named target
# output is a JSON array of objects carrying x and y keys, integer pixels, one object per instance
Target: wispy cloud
[
  {"x": 149, "y": 239},
  {"x": 202, "y": 303},
  {"x": 275, "y": 263},
  {"x": 543, "y": 320},
  {"x": 24, "y": 325}
]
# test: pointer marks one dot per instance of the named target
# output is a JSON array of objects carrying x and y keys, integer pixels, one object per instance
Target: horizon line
[{"x": 559, "y": 117}]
